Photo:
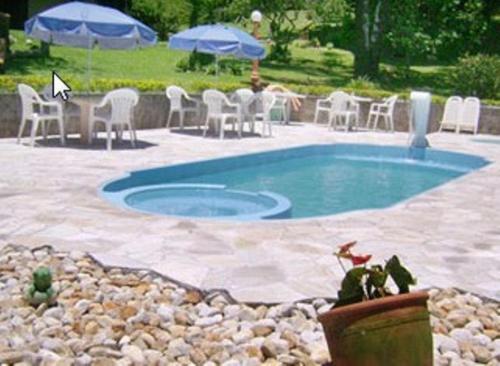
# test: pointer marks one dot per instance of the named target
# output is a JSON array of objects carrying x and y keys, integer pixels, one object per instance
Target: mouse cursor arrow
[{"x": 59, "y": 87}]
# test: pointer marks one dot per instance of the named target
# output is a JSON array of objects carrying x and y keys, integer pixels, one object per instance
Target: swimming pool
[{"x": 318, "y": 180}]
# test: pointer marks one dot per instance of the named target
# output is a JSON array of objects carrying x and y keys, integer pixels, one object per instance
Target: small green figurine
[{"x": 41, "y": 291}]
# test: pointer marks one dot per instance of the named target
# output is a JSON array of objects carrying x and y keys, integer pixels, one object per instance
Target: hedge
[{"x": 8, "y": 84}]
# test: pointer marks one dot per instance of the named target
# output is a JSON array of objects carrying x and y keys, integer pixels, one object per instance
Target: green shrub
[
  {"x": 8, "y": 83},
  {"x": 477, "y": 75},
  {"x": 361, "y": 82}
]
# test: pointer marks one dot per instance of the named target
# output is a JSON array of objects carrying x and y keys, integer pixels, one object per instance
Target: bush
[{"x": 477, "y": 75}]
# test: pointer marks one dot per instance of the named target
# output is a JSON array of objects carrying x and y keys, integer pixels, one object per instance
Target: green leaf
[
  {"x": 352, "y": 288},
  {"x": 375, "y": 284},
  {"x": 400, "y": 275}
]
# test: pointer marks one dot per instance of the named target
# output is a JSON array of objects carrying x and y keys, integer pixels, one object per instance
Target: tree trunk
[{"x": 368, "y": 37}]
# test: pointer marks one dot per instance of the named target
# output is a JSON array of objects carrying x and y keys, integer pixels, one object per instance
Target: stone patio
[{"x": 449, "y": 236}]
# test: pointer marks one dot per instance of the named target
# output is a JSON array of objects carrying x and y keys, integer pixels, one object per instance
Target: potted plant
[{"x": 371, "y": 326}]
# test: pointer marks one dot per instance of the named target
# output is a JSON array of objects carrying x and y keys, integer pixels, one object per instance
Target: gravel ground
[{"x": 114, "y": 317}]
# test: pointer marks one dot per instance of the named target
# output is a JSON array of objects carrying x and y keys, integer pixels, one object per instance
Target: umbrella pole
[
  {"x": 216, "y": 66},
  {"x": 89, "y": 64}
]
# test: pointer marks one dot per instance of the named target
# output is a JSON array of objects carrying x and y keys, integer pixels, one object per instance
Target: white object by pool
[
  {"x": 307, "y": 181},
  {"x": 419, "y": 118}
]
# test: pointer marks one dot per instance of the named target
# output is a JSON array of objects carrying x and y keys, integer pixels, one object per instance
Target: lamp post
[{"x": 256, "y": 17}]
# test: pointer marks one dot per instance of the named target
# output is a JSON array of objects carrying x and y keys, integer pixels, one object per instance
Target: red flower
[
  {"x": 360, "y": 259},
  {"x": 344, "y": 248}
]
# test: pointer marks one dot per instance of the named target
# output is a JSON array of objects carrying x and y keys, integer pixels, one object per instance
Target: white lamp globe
[{"x": 256, "y": 16}]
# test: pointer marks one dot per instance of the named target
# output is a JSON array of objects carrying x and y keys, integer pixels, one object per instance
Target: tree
[
  {"x": 163, "y": 16},
  {"x": 370, "y": 17},
  {"x": 282, "y": 15}
]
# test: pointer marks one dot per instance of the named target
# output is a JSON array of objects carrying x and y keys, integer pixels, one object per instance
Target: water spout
[{"x": 420, "y": 107}]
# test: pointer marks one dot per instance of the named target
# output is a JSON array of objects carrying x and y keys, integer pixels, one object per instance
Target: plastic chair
[
  {"x": 176, "y": 95},
  {"x": 384, "y": 110},
  {"x": 40, "y": 113},
  {"x": 323, "y": 105},
  {"x": 452, "y": 114},
  {"x": 122, "y": 103},
  {"x": 217, "y": 106},
  {"x": 245, "y": 97},
  {"x": 470, "y": 115},
  {"x": 267, "y": 101},
  {"x": 340, "y": 110}
]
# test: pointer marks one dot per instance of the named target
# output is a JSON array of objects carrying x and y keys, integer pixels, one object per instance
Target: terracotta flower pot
[{"x": 391, "y": 331}]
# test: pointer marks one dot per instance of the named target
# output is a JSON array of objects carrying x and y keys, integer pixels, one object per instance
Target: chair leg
[
  {"x": 21, "y": 129},
  {"x": 375, "y": 123},
  {"x": 108, "y": 137},
  {"x": 61, "y": 130},
  {"x": 207, "y": 125},
  {"x": 131, "y": 133},
  {"x": 169, "y": 118},
  {"x": 181, "y": 120},
  {"x": 316, "y": 113},
  {"x": 34, "y": 128},
  {"x": 222, "y": 127}
]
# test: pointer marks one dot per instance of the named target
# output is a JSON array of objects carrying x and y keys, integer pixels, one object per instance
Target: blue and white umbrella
[
  {"x": 85, "y": 25},
  {"x": 218, "y": 39}
]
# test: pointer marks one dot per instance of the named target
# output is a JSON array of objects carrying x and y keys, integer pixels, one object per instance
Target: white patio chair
[
  {"x": 122, "y": 103},
  {"x": 340, "y": 111},
  {"x": 323, "y": 105},
  {"x": 470, "y": 115},
  {"x": 217, "y": 112},
  {"x": 266, "y": 101},
  {"x": 181, "y": 103},
  {"x": 384, "y": 110},
  {"x": 245, "y": 97},
  {"x": 452, "y": 114},
  {"x": 39, "y": 113}
]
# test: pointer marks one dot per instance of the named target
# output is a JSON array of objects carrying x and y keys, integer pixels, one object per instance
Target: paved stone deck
[{"x": 449, "y": 236}]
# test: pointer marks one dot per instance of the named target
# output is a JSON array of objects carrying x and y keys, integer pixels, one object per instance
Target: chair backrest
[
  {"x": 214, "y": 100},
  {"x": 268, "y": 102},
  {"x": 391, "y": 102},
  {"x": 453, "y": 110},
  {"x": 29, "y": 98},
  {"x": 122, "y": 103},
  {"x": 175, "y": 94},
  {"x": 470, "y": 112},
  {"x": 244, "y": 97},
  {"x": 339, "y": 101}
]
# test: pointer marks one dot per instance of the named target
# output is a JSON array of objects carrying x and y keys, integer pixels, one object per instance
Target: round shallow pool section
[
  {"x": 204, "y": 200},
  {"x": 316, "y": 180}
]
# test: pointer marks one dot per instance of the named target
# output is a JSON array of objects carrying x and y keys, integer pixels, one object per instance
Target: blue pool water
[{"x": 317, "y": 179}]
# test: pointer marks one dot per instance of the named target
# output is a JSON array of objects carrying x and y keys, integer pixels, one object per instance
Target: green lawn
[{"x": 313, "y": 70}]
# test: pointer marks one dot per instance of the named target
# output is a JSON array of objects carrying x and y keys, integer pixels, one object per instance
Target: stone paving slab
[{"x": 449, "y": 236}]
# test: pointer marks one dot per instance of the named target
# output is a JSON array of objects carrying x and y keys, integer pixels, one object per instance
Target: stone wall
[{"x": 153, "y": 108}]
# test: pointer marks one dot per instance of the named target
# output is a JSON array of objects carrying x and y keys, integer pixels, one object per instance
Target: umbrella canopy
[
  {"x": 80, "y": 24},
  {"x": 218, "y": 39}
]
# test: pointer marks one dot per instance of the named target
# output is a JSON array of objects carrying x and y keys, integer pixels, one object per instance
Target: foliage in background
[
  {"x": 287, "y": 20},
  {"x": 478, "y": 75},
  {"x": 164, "y": 17}
]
